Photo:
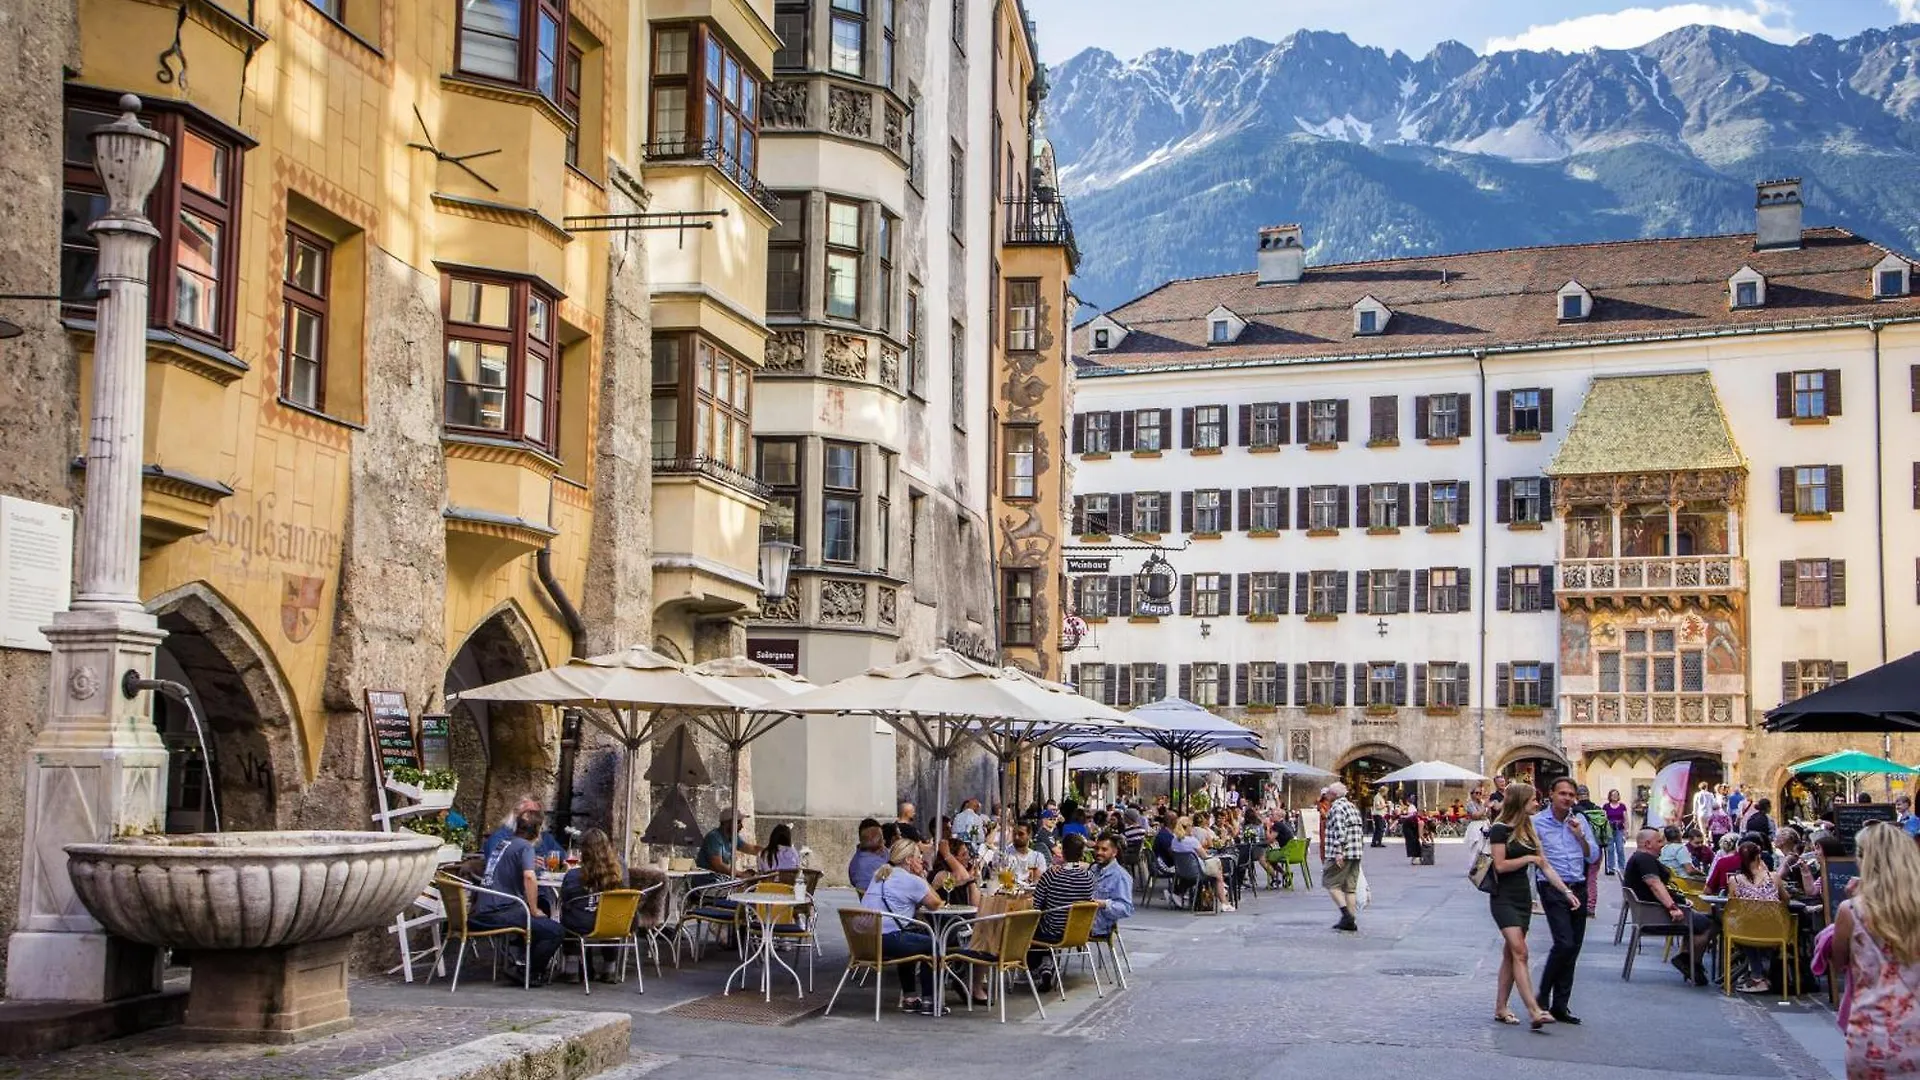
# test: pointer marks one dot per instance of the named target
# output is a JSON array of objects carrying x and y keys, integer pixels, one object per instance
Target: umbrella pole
[
  {"x": 733, "y": 788},
  {"x": 626, "y": 824}
]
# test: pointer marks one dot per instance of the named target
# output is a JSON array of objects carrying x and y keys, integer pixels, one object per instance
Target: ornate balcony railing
[
  {"x": 713, "y": 469},
  {"x": 1662, "y": 574},
  {"x": 1680, "y": 710},
  {"x": 717, "y": 155},
  {"x": 1041, "y": 221}
]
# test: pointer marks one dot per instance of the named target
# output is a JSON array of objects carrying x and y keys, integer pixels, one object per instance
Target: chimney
[
  {"x": 1777, "y": 212},
  {"x": 1283, "y": 257}
]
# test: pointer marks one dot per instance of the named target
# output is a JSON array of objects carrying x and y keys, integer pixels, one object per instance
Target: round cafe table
[
  {"x": 763, "y": 947},
  {"x": 945, "y": 920}
]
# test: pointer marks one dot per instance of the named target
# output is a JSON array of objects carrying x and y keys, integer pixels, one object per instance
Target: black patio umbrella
[{"x": 1883, "y": 701}]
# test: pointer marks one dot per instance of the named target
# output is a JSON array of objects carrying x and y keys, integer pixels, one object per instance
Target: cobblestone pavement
[
  {"x": 381, "y": 1035},
  {"x": 1270, "y": 989}
]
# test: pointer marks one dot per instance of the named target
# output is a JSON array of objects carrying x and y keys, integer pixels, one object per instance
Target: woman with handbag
[{"x": 1512, "y": 848}]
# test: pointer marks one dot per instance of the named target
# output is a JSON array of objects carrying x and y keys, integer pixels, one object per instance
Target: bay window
[
  {"x": 519, "y": 42},
  {"x": 843, "y": 259},
  {"x": 701, "y": 402},
  {"x": 779, "y": 469},
  {"x": 701, "y": 84},
  {"x": 840, "y": 533},
  {"x": 787, "y": 257},
  {"x": 791, "y": 21},
  {"x": 501, "y": 376},
  {"x": 848, "y": 34}
]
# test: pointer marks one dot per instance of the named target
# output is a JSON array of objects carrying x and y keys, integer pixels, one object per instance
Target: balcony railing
[
  {"x": 717, "y": 155},
  {"x": 1682, "y": 710},
  {"x": 1041, "y": 221},
  {"x": 712, "y": 469},
  {"x": 1661, "y": 574}
]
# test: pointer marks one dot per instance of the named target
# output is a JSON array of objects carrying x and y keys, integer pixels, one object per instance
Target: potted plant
[{"x": 432, "y": 789}]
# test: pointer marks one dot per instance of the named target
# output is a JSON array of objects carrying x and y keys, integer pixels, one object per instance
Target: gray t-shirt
[{"x": 506, "y": 873}]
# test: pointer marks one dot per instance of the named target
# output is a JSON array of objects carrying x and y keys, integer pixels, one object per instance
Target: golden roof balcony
[{"x": 1672, "y": 576}]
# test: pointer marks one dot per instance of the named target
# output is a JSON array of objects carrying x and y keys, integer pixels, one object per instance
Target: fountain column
[{"x": 98, "y": 769}]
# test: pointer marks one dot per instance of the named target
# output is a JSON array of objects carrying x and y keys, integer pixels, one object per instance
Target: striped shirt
[
  {"x": 1068, "y": 883},
  {"x": 1345, "y": 833}
]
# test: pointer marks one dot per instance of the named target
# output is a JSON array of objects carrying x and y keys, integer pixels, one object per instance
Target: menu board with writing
[
  {"x": 1836, "y": 873},
  {"x": 1850, "y": 818},
  {"x": 436, "y": 741},
  {"x": 390, "y": 726},
  {"x": 36, "y": 570}
]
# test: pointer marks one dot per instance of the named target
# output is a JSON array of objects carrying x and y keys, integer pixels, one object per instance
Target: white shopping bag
[{"x": 1362, "y": 892}]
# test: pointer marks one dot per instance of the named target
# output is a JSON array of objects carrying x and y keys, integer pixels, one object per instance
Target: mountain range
[{"x": 1173, "y": 160}]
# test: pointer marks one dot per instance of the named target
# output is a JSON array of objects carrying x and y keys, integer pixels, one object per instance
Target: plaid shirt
[{"x": 1345, "y": 833}]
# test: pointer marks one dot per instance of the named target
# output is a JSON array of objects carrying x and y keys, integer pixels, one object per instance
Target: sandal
[
  {"x": 1506, "y": 1018},
  {"x": 1542, "y": 1019}
]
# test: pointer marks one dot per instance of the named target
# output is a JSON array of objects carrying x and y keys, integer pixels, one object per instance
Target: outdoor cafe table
[
  {"x": 763, "y": 949},
  {"x": 950, "y": 917}
]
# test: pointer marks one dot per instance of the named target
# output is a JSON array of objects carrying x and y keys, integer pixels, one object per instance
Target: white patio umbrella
[
  {"x": 1223, "y": 762},
  {"x": 637, "y": 686},
  {"x": 1110, "y": 761},
  {"x": 1429, "y": 770},
  {"x": 739, "y": 727}
]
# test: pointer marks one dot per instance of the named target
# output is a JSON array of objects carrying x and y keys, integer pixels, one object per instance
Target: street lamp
[{"x": 776, "y": 564}]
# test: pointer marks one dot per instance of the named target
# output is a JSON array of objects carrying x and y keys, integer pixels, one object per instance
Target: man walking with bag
[
  {"x": 1566, "y": 839},
  {"x": 1346, "y": 840}
]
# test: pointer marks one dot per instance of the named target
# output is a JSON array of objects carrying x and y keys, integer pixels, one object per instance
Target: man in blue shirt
[
  {"x": 543, "y": 846},
  {"x": 1567, "y": 840},
  {"x": 1112, "y": 885},
  {"x": 717, "y": 848},
  {"x": 515, "y": 901}
]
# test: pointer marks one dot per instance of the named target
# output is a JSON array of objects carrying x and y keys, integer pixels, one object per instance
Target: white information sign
[{"x": 36, "y": 570}]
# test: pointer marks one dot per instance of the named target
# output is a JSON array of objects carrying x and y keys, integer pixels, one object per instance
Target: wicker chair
[
  {"x": 615, "y": 913},
  {"x": 865, "y": 955},
  {"x": 1016, "y": 939},
  {"x": 1074, "y": 940},
  {"x": 454, "y": 897}
]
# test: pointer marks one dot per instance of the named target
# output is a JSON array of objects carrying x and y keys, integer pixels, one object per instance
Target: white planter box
[{"x": 426, "y": 798}]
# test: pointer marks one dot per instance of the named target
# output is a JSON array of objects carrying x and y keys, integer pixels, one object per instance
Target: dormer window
[
  {"x": 1370, "y": 316},
  {"x": 1223, "y": 326},
  {"x": 1570, "y": 307},
  {"x": 1575, "y": 302},
  {"x": 1102, "y": 339},
  {"x": 1747, "y": 289},
  {"x": 1219, "y": 333},
  {"x": 1104, "y": 334},
  {"x": 1369, "y": 322},
  {"x": 1892, "y": 277}
]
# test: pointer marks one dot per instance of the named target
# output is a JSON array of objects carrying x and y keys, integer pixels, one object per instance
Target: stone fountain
[{"x": 268, "y": 917}]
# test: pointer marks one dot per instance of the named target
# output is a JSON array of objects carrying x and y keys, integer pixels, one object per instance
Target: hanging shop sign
[{"x": 1088, "y": 564}]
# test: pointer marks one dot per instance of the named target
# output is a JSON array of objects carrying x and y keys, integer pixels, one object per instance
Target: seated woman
[
  {"x": 1753, "y": 881},
  {"x": 779, "y": 854},
  {"x": 1188, "y": 841},
  {"x": 580, "y": 890},
  {"x": 899, "y": 891},
  {"x": 1799, "y": 870},
  {"x": 954, "y": 871}
]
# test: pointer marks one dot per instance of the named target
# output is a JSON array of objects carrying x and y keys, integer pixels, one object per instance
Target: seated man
[
  {"x": 1674, "y": 854},
  {"x": 1068, "y": 883},
  {"x": 1112, "y": 885},
  {"x": 871, "y": 855},
  {"x": 1026, "y": 861},
  {"x": 544, "y": 846},
  {"x": 1648, "y": 879},
  {"x": 718, "y": 847},
  {"x": 514, "y": 871}
]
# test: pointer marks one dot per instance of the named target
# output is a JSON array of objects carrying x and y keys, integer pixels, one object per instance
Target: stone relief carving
[
  {"x": 849, "y": 113},
  {"x": 786, "y": 351},
  {"x": 887, "y": 600},
  {"x": 1717, "y": 485},
  {"x": 843, "y": 602},
  {"x": 895, "y": 123},
  {"x": 845, "y": 355},
  {"x": 783, "y": 104},
  {"x": 890, "y": 366},
  {"x": 1300, "y": 744},
  {"x": 785, "y": 609}
]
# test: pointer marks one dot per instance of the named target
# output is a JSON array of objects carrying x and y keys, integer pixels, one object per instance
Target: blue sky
[{"x": 1128, "y": 28}]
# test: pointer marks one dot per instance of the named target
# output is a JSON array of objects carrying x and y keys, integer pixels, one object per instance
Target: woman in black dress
[
  {"x": 1410, "y": 830},
  {"x": 1515, "y": 849}
]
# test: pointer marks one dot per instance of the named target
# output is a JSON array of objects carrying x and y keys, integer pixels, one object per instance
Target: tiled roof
[
  {"x": 1648, "y": 423},
  {"x": 1500, "y": 299}
]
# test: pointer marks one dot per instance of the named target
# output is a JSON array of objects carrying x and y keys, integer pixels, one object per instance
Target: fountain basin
[{"x": 268, "y": 917}]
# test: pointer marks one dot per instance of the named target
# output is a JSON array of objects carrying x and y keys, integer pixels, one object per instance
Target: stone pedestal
[{"x": 284, "y": 995}]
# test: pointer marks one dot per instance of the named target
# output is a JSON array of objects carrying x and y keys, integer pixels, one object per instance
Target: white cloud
[
  {"x": 1636, "y": 26},
  {"x": 1906, "y": 10}
]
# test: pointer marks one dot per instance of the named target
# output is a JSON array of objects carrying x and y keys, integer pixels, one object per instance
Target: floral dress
[{"x": 1883, "y": 1018}]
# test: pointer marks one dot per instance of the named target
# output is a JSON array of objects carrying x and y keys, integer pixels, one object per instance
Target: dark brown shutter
[
  {"x": 1462, "y": 684},
  {"x": 1786, "y": 489},
  {"x": 1916, "y": 485},
  {"x": 1403, "y": 589},
  {"x": 1546, "y": 685},
  {"x": 1546, "y": 587},
  {"x": 1839, "y": 671},
  {"x": 1421, "y": 427},
  {"x": 1281, "y": 517},
  {"x": 1186, "y": 511},
  {"x": 1122, "y": 598},
  {"x": 1079, "y": 515},
  {"x": 1126, "y": 430},
  {"x": 1546, "y": 409},
  {"x": 1360, "y": 684},
  {"x": 1300, "y": 418},
  {"x": 1159, "y": 682},
  {"x": 1344, "y": 515},
  {"x": 1339, "y": 684},
  {"x": 1280, "y": 593},
  {"x": 1836, "y": 489},
  {"x": 1503, "y": 588},
  {"x": 1246, "y": 425},
  {"x": 1123, "y": 693},
  {"x": 1125, "y": 524},
  {"x": 1285, "y": 425},
  {"x": 1464, "y": 505},
  {"x": 1079, "y": 433},
  {"x": 1789, "y": 680},
  {"x": 1463, "y": 594},
  {"x": 1466, "y": 415},
  {"x": 1240, "y": 684},
  {"x": 1186, "y": 428},
  {"x": 1166, "y": 511},
  {"x": 1363, "y": 506},
  {"x": 1836, "y": 582},
  {"x": 1361, "y": 592},
  {"x": 1501, "y": 676},
  {"x": 1303, "y": 501},
  {"x": 1402, "y": 495},
  {"x": 1301, "y": 582},
  {"x": 1340, "y": 583},
  {"x": 1384, "y": 419},
  {"x": 1423, "y": 498},
  {"x": 1420, "y": 579},
  {"x": 1502, "y": 412},
  {"x": 1783, "y": 395},
  {"x": 1186, "y": 594},
  {"x": 1789, "y": 582},
  {"x": 1340, "y": 420},
  {"x": 1546, "y": 498},
  {"x": 1299, "y": 685},
  {"x": 1399, "y": 684},
  {"x": 1243, "y": 594},
  {"x": 1419, "y": 686},
  {"x": 1186, "y": 681},
  {"x": 1833, "y": 391},
  {"x": 1280, "y": 682},
  {"x": 1243, "y": 507},
  {"x": 1503, "y": 501},
  {"x": 1913, "y": 386}
]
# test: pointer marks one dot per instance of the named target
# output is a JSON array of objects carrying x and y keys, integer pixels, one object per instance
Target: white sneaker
[{"x": 1228, "y": 909}]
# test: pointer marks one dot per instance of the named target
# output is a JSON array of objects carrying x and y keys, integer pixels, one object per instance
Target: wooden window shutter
[
  {"x": 1789, "y": 680},
  {"x": 1422, "y": 427},
  {"x": 1839, "y": 671},
  {"x": 1166, "y": 509},
  {"x": 1546, "y": 498},
  {"x": 1836, "y": 489},
  {"x": 1503, "y": 589},
  {"x": 1243, "y": 594},
  {"x": 1916, "y": 485},
  {"x": 1546, "y": 685},
  {"x": 1299, "y": 684},
  {"x": 1833, "y": 391},
  {"x": 1122, "y": 598},
  {"x": 1546, "y": 587},
  {"x": 1361, "y": 591},
  {"x": 1546, "y": 409},
  {"x": 1186, "y": 681},
  {"x": 1079, "y": 515},
  {"x": 1403, "y": 590},
  {"x": 1783, "y": 395},
  {"x": 1420, "y": 579},
  {"x": 1239, "y": 684},
  {"x": 1111, "y": 696},
  {"x": 1280, "y": 593},
  {"x": 1340, "y": 580},
  {"x": 1340, "y": 421},
  {"x": 1246, "y": 425},
  {"x": 1419, "y": 686},
  {"x": 1786, "y": 489},
  {"x": 1463, "y": 590},
  {"x": 1503, "y": 501},
  {"x": 1913, "y": 386},
  {"x": 1466, "y": 415},
  {"x": 1186, "y": 594},
  {"x": 1423, "y": 498},
  {"x": 1399, "y": 684},
  {"x": 1159, "y": 681},
  {"x": 1280, "y": 682},
  {"x": 1280, "y": 507},
  {"x": 1345, "y": 513},
  {"x": 1246, "y": 509},
  {"x": 1301, "y": 582},
  {"x": 1502, "y": 412},
  {"x": 1123, "y": 693},
  {"x": 1837, "y": 582},
  {"x": 1501, "y": 677},
  {"x": 1186, "y": 511},
  {"x": 1789, "y": 582},
  {"x": 1339, "y": 684},
  {"x": 1465, "y": 505},
  {"x": 1125, "y": 524},
  {"x": 1363, "y": 506},
  {"x": 1127, "y": 427},
  {"x": 1403, "y": 494},
  {"x": 1186, "y": 428},
  {"x": 1304, "y": 505},
  {"x": 1384, "y": 421},
  {"x": 1462, "y": 683},
  {"x": 1285, "y": 425},
  {"x": 1360, "y": 684},
  {"x": 1301, "y": 417},
  {"x": 1079, "y": 433}
]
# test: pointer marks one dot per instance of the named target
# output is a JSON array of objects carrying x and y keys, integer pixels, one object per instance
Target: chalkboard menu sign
[
  {"x": 1836, "y": 874},
  {"x": 390, "y": 725},
  {"x": 1850, "y": 818},
  {"x": 436, "y": 742}
]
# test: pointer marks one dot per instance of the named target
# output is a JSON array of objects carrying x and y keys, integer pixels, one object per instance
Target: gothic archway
[
  {"x": 1364, "y": 764},
  {"x": 501, "y": 750},
  {"x": 256, "y": 753}
]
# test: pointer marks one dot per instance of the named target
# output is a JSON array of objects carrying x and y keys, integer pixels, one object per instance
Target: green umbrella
[{"x": 1854, "y": 764}]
